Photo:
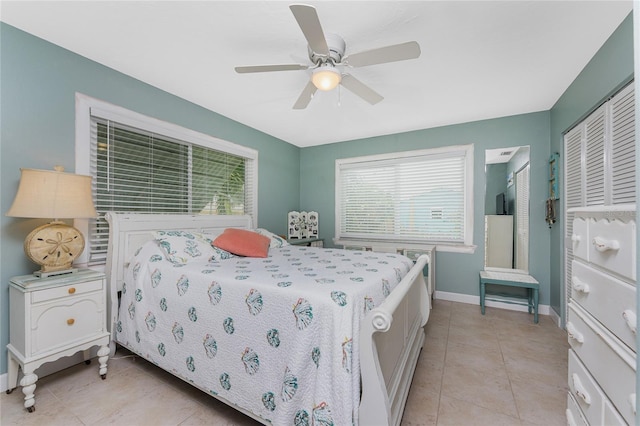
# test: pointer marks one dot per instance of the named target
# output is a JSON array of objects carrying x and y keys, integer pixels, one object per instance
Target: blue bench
[{"x": 510, "y": 279}]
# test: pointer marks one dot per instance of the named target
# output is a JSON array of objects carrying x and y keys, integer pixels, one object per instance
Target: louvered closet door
[
  {"x": 594, "y": 165},
  {"x": 623, "y": 148},
  {"x": 574, "y": 192}
]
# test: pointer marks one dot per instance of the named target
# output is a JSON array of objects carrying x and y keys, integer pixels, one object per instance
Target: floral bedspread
[{"x": 276, "y": 336}]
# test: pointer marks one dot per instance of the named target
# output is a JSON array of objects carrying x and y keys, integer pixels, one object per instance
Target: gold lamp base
[{"x": 54, "y": 247}]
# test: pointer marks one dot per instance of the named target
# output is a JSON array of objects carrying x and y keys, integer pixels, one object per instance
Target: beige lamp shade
[{"x": 53, "y": 195}]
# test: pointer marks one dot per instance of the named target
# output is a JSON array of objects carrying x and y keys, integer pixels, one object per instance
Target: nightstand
[
  {"x": 51, "y": 318},
  {"x": 312, "y": 242}
]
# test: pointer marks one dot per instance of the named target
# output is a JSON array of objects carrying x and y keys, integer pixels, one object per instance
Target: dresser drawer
[
  {"x": 574, "y": 415},
  {"x": 585, "y": 391},
  {"x": 64, "y": 323},
  {"x": 65, "y": 291},
  {"x": 609, "y": 300},
  {"x": 611, "y": 415},
  {"x": 611, "y": 363},
  {"x": 613, "y": 246},
  {"x": 580, "y": 238}
]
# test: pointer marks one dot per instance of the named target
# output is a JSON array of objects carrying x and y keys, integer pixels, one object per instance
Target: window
[
  {"x": 417, "y": 196},
  {"x": 143, "y": 165}
]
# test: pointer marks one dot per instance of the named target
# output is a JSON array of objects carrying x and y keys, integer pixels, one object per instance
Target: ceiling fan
[{"x": 327, "y": 55}]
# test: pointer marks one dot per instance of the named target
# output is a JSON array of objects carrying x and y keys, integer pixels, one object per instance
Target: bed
[{"x": 304, "y": 336}]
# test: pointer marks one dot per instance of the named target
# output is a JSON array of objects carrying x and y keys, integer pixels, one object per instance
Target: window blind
[
  {"x": 140, "y": 171},
  {"x": 419, "y": 197}
]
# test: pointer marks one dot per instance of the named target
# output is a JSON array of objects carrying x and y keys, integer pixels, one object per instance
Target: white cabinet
[
  {"x": 601, "y": 317},
  {"x": 51, "y": 318},
  {"x": 498, "y": 241}
]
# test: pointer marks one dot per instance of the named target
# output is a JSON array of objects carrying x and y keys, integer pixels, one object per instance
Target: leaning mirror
[{"x": 507, "y": 208}]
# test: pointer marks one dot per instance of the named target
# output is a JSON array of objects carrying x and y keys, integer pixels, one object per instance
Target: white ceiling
[{"x": 480, "y": 59}]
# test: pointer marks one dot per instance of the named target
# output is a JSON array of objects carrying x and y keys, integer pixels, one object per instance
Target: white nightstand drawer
[
  {"x": 611, "y": 363},
  {"x": 48, "y": 294},
  {"x": 64, "y": 323},
  {"x": 609, "y": 300}
]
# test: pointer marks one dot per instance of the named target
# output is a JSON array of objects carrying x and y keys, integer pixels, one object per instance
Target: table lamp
[{"x": 53, "y": 194}]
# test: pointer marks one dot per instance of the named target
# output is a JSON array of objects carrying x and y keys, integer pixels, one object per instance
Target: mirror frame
[{"x": 492, "y": 157}]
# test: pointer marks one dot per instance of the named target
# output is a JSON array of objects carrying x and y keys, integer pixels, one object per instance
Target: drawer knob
[
  {"x": 70, "y": 321},
  {"x": 575, "y": 238},
  {"x": 72, "y": 290},
  {"x": 602, "y": 244},
  {"x": 573, "y": 333},
  {"x": 580, "y": 390},
  {"x": 630, "y": 318},
  {"x": 579, "y": 285}
]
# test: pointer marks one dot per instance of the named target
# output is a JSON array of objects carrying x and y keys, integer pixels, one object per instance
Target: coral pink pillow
[{"x": 243, "y": 242}]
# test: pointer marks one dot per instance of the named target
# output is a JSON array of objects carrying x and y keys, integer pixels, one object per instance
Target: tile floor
[{"x": 496, "y": 369}]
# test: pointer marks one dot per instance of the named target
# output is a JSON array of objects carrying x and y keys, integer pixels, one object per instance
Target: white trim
[
  {"x": 3, "y": 382},
  {"x": 475, "y": 300}
]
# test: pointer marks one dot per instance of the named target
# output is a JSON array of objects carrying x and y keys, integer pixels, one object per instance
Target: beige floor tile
[
  {"x": 540, "y": 403},
  {"x": 454, "y": 412},
  {"x": 48, "y": 410},
  {"x": 422, "y": 406},
  {"x": 489, "y": 389}
]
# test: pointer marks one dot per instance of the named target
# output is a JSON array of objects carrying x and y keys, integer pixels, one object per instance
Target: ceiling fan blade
[
  {"x": 359, "y": 88},
  {"x": 381, "y": 55},
  {"x": 305, "y": 97},
  {"x": 269, "y": 68},
  {"x": 309, "y": 23}
]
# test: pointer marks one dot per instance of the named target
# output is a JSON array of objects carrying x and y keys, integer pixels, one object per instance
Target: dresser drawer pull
[
  {"x": 72, "y": 290},
  {"x": 580, "y": 390},
  {"x": 70, "y": 321},
  {"x": 632, "y": 401},
  {"x": 603, "y": 244},
  {"x": 574, "y": 334},
  {"x": 630, "y": 318},
  {"x": 579, "y": 285}
]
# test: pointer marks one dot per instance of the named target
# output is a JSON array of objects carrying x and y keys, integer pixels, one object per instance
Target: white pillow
[
  {"x": 180, "y": 247},
  {"x": 276, "y": 240}
]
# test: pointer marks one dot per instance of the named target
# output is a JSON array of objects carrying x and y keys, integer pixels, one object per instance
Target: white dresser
[{"x": 601, "y": 317}]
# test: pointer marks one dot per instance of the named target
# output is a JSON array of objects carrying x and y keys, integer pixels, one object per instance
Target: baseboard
[
  {"x": 475, "y": 300},
  {"x": 3, "y": 382}
]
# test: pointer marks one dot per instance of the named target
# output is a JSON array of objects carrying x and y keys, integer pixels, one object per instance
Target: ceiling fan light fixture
[{"x": 326, "y": 77}]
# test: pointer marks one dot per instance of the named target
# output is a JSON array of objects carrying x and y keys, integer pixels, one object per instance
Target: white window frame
[
  {"x": 87, "y": 106},
  {"x": 466, "y": 150}
]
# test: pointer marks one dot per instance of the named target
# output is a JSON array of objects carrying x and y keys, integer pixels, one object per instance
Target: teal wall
[
  {"x": 456, "y": 272},
  {"x": 608, "y": 70},
  {"x": 37, "y": 130}
]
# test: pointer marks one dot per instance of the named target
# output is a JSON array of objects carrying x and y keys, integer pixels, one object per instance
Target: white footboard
[{"x": 391, "y": 337}]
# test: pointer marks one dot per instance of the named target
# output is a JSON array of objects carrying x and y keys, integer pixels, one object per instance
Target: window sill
[{"x": 400, "y": 245}]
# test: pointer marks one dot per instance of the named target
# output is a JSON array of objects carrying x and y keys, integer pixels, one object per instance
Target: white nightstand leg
[
  {"x": 103, "y": 356},
  {"x": 28, "y": 384},
  {"x": 12, "y": 373}
]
